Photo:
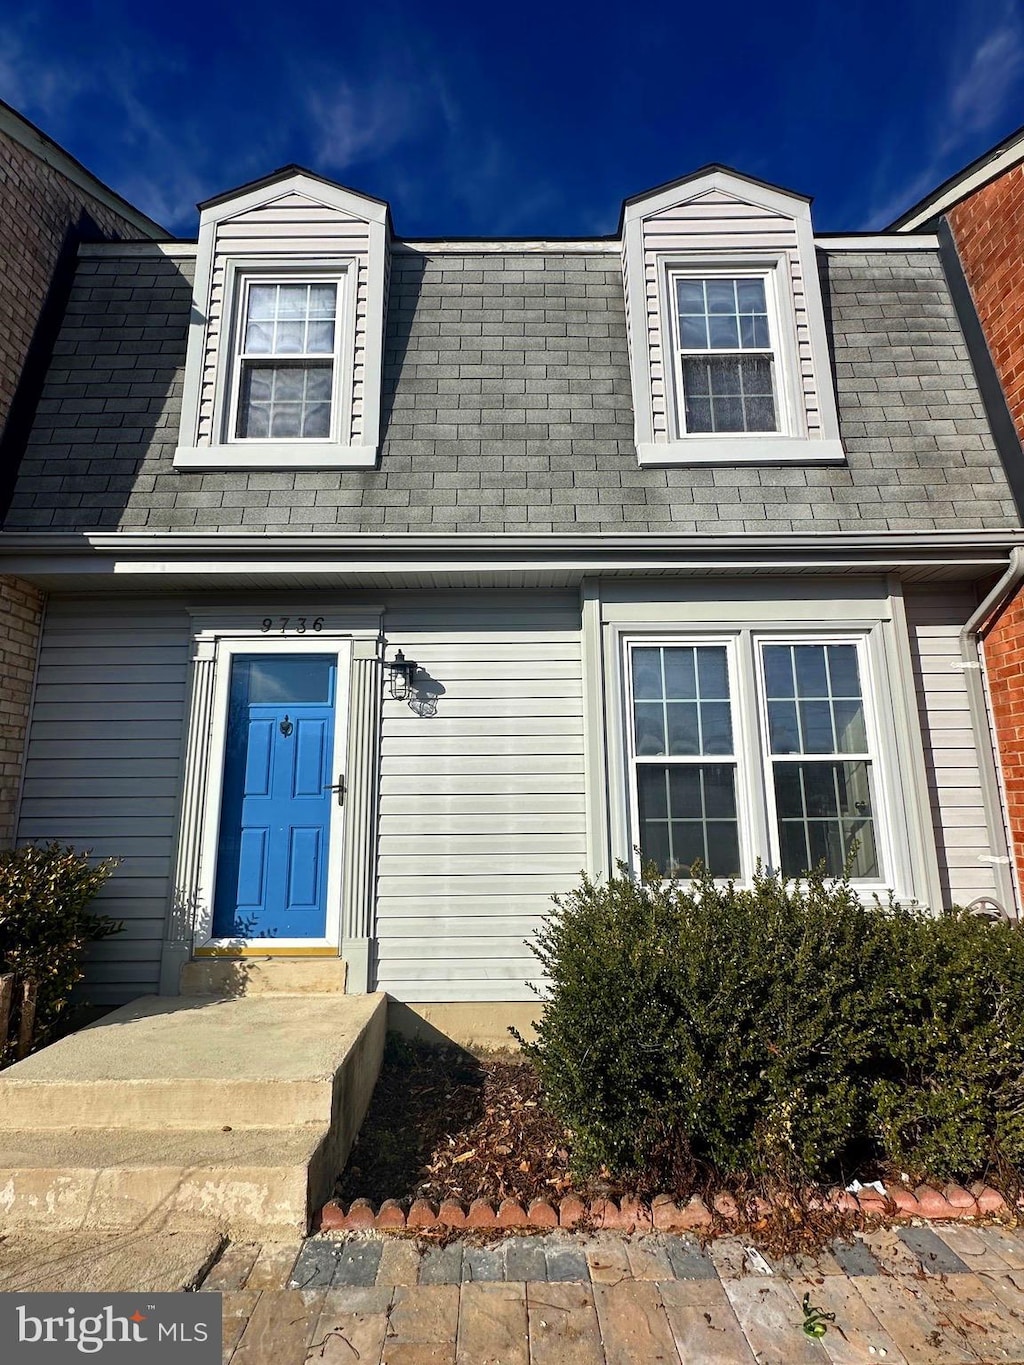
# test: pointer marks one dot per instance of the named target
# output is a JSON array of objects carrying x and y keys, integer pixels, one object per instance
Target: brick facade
[
  {"x": 21, "y": 614},
  {"x": 988, "y": 229},
  {"x": 38, "y": 207}
]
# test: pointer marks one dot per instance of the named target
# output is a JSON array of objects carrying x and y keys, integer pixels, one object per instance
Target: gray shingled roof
[{"x": 507, "y": 408}]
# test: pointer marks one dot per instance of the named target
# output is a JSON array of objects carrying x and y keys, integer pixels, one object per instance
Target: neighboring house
[
  {"x": 979, "y": 217},
  {"x": 680, "y": 528},
  {"x": 48, "y": 205}
]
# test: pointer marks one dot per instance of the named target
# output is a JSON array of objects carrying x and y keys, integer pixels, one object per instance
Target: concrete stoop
[{"x": 226, "y": 1113}]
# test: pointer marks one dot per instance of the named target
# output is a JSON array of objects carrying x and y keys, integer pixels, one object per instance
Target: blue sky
[{"x": 525, "y": 119}]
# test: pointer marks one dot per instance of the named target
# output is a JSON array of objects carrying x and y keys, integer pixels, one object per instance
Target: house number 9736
[{"x": 298, "y": 625}]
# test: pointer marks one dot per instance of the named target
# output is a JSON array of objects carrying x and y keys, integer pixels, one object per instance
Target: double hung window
[
  {"x": 725, "y": 353},
  {"x": 789, "y": 777},
  {"x": 287, "y": 360}
]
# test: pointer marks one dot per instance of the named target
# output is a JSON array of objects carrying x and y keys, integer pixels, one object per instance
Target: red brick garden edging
[{"x": 663, "y": 1214}]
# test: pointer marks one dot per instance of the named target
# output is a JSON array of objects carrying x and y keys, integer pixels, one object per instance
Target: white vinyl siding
[
  {"x": 935, "y": 620},
  {"x": 312, "y": 232},
  {"x": 482, "y": 812},
  {"x": 103, "y": 764}
]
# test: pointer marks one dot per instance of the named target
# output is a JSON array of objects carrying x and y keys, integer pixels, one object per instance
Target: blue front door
[{"x": 276, "y": 806}]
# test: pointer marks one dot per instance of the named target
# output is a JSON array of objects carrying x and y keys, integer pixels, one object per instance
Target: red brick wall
[
  {"x": 1004, "y": 664},
  {"x": 37, "y": 206},
  {"x": 21, "y": 611},
  {"x": 988, "y": 228}
]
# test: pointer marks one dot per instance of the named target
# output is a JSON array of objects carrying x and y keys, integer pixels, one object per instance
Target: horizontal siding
[
  {"x": 102, "y": 768},
  {"x": 716, "y": 224},
  {"x": 482, "y": 805},
  {"x": 935, "y": 620}
]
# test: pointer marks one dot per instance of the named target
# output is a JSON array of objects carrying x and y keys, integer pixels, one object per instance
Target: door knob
[{"x": 339, "y": 787}]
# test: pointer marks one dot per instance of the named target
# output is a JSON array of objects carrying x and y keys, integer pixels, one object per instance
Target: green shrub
[
  {"x": 44, "y": 924},
  {"x": 949, "y": 1095},
  {"x": 786, "y": 1030}
]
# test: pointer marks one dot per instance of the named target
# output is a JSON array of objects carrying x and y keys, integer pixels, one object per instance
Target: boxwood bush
[
  {"x": 786, "y": 1031},
  {"x": 44, "y": 922}
]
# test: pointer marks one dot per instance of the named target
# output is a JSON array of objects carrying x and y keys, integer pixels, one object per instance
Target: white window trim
[
  {"x": 328, "y": 642},
  {"x": 883, "y": 814},
  {"x": 300, "y": 454},
  {"x": 755, "y": 795},
  {"x": 770, "y": 450},
  {"x": 341, "y": 405},
  {"x": 782, "y": 346},
  {"x": 738, "y": 758},
  {"x": 790, "y": 444}
]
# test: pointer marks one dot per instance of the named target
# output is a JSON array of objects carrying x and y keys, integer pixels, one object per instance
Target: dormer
[
  {"x": 286, "y": 339},
  {"x": 728, "y": 350}
]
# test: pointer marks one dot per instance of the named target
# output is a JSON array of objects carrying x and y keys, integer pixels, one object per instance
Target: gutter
[{"x": 974, "y": 673}]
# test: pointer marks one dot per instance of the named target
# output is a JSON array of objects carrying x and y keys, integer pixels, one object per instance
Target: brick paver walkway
[{"x": 908, "y": 1296}]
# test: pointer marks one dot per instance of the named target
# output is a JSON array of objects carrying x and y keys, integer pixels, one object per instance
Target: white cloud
[{"x": 983, "y": 80}]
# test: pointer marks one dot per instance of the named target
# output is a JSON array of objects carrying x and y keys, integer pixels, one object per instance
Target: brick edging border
[{"x": 662, "y": 1214}]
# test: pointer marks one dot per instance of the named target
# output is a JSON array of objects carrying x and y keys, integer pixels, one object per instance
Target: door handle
[{"x": 339, "y": 787}]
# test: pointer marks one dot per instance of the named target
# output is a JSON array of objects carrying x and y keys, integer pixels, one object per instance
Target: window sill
[
  {"x": 276, "y": 455},
  {"x": 742, "y": 450}
]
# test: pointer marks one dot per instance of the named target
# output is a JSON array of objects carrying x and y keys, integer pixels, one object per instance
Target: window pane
[
  {"x": 680, "y": 677},
  {"x": 289, "y": 338},
  {"x": 713, "y": 670},
  {"x": 741, "y": 393},
  {"x": 721, "y": 296},
  {"x": 783, "y": 729},
  {"x": 652, "y": 788},
  {"x": 671, "y": 714},
  {"x": 851, "y": 732},
  {"x": 716, "y": 727},
  {"x": 843, "y": 670},
  {"x": 811, "y": 679},
  {"x": 320, "y": 338},
  {"x": 293, "y": 401},
  {"x": 723, "y": 332},
  {"x": 778, "y": 670},
  {"x": 316, "y": 420},
  {"x": 322, "y": 300},
  {"x": 816, "y": 725},
  {"x": 684, "y": 789},
  {"x": 690, "y": 296},
  {"x": 285, "y": 420},
  {"x": 688, "y": 813},
  {"x": 824, "y": 809},
  {"x": 750, "y": 296},
  {"x": 289, "y": 678},
  {"x": 647, "y": 673},
  {"x": 262, "y": 298},
  {"x": 693, "y": 333},
  {"x": 259, "y": 338},
  {"x": 650, "y": 727},
  {"x": 683, "y": 735},
  {"x": 292, "y": 300}
]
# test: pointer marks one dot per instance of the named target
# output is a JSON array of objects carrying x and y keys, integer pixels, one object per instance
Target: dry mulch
[{"x": 444, "y": 1124}]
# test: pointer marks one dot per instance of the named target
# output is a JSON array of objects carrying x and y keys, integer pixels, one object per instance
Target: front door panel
[{"x": 276, "y": 808}]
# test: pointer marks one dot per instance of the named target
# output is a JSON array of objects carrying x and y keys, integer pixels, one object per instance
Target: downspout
[{"x": 970, "y": 654}]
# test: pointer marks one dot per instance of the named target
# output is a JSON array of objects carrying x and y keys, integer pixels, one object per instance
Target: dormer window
[
  {"x": 287, "y": 360},
  {"x": 286, "y": 345},
  {"x": 728, "y": 351},
  {"x": 726, "y": 359}
]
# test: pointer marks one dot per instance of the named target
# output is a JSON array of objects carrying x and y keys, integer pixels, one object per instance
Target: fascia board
[
  {"x": 778, "y": 201},
  {"x": 365, "y": 210}
]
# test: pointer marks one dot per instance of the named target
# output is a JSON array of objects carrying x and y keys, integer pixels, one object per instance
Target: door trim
[
  {"x": 226, "y": 651},
  {"x": 352, "y": 632}
]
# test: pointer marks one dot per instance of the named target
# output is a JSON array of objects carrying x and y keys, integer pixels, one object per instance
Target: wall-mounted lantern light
[{"x": 403, "y": 676}]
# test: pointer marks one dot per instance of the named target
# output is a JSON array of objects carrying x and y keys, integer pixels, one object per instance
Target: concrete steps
[{"x": 227, "y": 1113}]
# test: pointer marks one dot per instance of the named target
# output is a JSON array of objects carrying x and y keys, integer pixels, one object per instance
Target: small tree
[{"x": 44, "y": 924}]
